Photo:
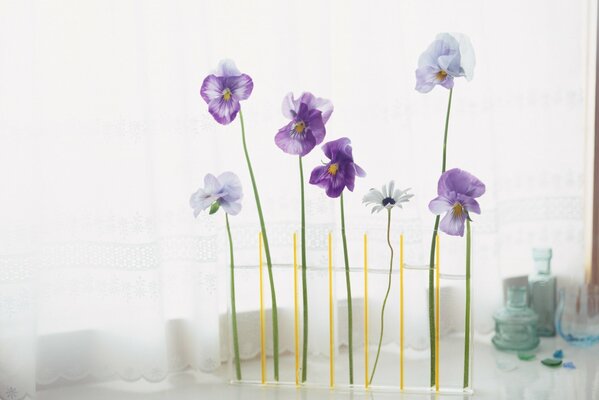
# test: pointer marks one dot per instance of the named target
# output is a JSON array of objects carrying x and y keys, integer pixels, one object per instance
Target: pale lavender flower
[
  {"x": 457, "y": 190},
  {"x": 223, "y": 191},
  {"x": 449, "y": 56}
]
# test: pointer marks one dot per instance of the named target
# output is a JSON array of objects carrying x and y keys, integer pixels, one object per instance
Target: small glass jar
[{"x": 516, "y": 324}]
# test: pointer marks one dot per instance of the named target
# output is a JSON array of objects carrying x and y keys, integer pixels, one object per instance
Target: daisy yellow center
[
  {"x": 227, "y": 94},
  {"x": 458, "y": 210},
  {"x": 441, "y": 75},
  {"x": 333, "y": 168},
  {"x": 299, "y": 127}
]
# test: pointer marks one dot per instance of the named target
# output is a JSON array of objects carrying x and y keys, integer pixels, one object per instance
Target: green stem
[
  {"x": 304, "y": 277},
  {"x": 275, "y": 323},
  {"x": 467, "y": 319},
  {"x": 233, "y": 307},
  {"x": 431, "y": 270},
  {"x": 378, "y": 352},
  {"x": 349, "y": 298}
]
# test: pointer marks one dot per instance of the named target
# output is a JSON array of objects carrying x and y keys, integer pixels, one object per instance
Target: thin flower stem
[
  {"x": 467, "y": 319},
  {"x": 446, "y": 130},
  {"x": 304, "y": 277},
  {"x": 378, "y": 351},
  {"x": 233, "y": 306},
  {"x": 349, "y": 298},
  {"x": 275, "y": 323},
  {"x": 431, "y": 271}
]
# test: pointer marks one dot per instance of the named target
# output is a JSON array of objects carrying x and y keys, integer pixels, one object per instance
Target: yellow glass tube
[
  {"x": 437, "y": 313},
  {"x": 366, "y": 311},
  {"x": 401, "y": 314},
  {"x": 295, "y": 310},
  {"x": 331, "y": 317},
  {"x": 262, "y": 336}
]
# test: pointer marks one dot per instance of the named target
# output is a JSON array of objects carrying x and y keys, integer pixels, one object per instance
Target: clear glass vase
[
  {"x": 404, "y": 360},
  {"x": 577, "y": 317}
]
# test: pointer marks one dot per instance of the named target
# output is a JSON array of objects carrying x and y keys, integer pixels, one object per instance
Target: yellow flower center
[
  {"x": 458, "y": 210},
  {"x": 227, "y": 94},
  {"x": 441, "y": 75},
  {"x": 299, "y": 127},
  {"x": 333, "y": 168}
]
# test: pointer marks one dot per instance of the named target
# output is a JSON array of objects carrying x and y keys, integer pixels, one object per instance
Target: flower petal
[
  {"x": 347, "y": 173},
  {"x": 323, "y": 105},
  {"x": 319, "y": 175},
  {"x": 468, "y": 61},
  {"x": 290, "y": 106},
  {"x": 201, "y": 200},
  {"x": 460, "y": 181},
  {"x": 439, "y": 205},
  {"x": 316, "y": 125},
  {"x": 452, "y": 225},
  {"x": 241, "y": 86},
  {"x": 212, "y": 88},
  {"x": 426, "y": 78},
  {"x": 212, "y": 184},
  {"x": 334, "y": 147},
  {"x": 470, "y": 205},
  {"x": 230, "y": 207},
  {"x": 377, "y": 209},
  {"x": 359, "y": 171},
  {"x": 223, "y": 111},
  {"x": 232, "y": 190},
  {"x": 373, "y": 196},
  {"x": 227, "y": 68},
  {"x": 293, "y": 143}
]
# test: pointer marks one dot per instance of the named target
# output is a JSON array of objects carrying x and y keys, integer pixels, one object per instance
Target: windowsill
[{"x": 524, "y": 379}]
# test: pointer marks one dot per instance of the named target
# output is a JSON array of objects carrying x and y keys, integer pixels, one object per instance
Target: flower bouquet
[{"x": 449, "y": 57}]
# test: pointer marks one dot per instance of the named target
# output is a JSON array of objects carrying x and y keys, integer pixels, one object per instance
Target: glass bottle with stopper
[{"x": 516, "y": 324}]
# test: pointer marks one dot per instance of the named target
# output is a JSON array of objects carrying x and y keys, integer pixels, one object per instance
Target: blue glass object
[
  {"x": 577, "y": 316},
  {"x": 542, "y": 288},
  {"x": 516, "y": 324},
  {"x": 558, "y": 354}
]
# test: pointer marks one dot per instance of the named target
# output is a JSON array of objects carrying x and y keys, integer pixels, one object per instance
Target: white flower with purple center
[
  {"x": 457, "y": 190},
  {"x": 308, "y": 115},
  {"x": 449, "y": 56},
  {"x": 386, "y": 198},
  {"x": 223, "y": 191},
  {"x": 223, "y": 91}
]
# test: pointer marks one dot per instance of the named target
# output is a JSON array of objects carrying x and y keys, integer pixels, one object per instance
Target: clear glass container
[
  {"x": 542, "y": 289},
  {"x": 516, "y": 324},
  {"x": 577, "y": 316}
]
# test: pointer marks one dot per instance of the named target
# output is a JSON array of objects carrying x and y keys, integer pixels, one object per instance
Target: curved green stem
[
  {"x": 467, "y": 319},
  {"x": 275, "y": 323},
  {"x": 304, "y": 277},
  {"x": 378, "y": 351},
  {"x": 350, "y": 335},
  {"x": 233, "y": 306},
  {"x": 431, "y": 270}
]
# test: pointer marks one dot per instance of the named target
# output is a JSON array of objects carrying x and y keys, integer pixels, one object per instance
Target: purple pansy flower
[
  {"x": 308, "y": 114},
  {"x": 457, "y": 190},
  {"x": 222, "y": 191},
  {"x": 223, "y": 91},
  {"x": 447, "y": 57},
  {"x": 340, "y": 172}
]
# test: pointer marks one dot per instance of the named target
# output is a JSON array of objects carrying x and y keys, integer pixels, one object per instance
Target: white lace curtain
[{"x": 103, "y": 137}]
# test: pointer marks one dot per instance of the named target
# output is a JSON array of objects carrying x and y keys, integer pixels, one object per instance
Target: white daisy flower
[{"x": 386, "y": 198}]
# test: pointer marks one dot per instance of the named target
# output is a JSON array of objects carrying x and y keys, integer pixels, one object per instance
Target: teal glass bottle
[
  {"x": 542, "y": 289},
  {"x": 516, "y": 324}
]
